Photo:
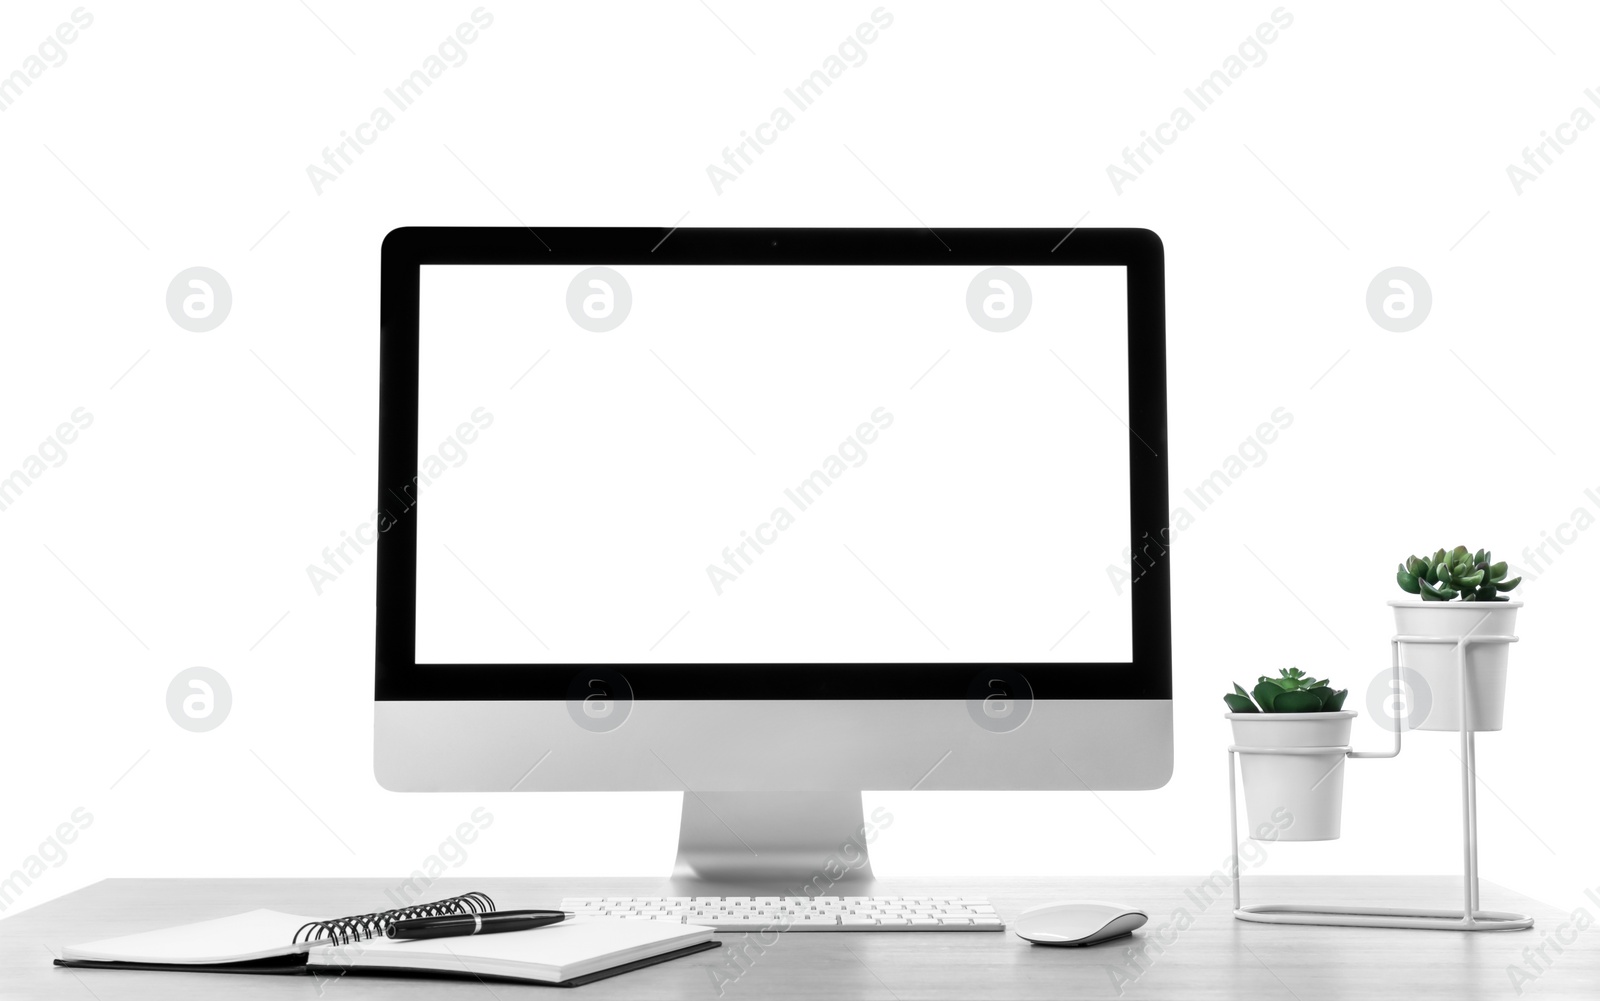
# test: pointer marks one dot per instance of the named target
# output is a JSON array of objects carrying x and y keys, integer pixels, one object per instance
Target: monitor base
[{"x": 786, "y": 844}]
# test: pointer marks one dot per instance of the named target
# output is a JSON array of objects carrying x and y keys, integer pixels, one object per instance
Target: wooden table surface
[{"x": 1215, "y": 957}]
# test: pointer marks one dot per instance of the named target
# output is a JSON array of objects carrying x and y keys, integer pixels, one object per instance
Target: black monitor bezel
[{"x": 406, "y": 250}]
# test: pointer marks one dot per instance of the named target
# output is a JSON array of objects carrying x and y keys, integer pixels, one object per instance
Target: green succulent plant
[
  {"x": 1293, "y": 691},
  {"x": 1456, "y": 573}
]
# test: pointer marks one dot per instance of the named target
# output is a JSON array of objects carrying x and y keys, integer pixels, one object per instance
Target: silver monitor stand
[{"x": 772, "y": 844}]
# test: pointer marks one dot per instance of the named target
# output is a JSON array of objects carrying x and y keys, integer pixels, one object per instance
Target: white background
[
  {"x": 988, "y": 492},
  {"x": 221, "y": 464}
]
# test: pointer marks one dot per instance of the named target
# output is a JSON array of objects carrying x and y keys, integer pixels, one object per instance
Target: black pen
[{"x": 453, "y": 925}]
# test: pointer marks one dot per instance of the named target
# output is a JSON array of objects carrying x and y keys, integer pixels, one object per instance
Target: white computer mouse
[{"x": 1078, "y": 922}]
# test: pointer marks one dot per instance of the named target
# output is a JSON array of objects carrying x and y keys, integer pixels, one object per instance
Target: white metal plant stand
[{"x": 1469, "y": 917}]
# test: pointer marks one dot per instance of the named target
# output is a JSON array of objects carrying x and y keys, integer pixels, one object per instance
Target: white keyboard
[{"x": 799, "y": 913}]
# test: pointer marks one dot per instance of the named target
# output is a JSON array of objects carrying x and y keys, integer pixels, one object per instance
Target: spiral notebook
[{"x": 271, "y": 942}]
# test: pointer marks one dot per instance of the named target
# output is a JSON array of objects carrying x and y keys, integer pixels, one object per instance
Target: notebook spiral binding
[{"x": 343, "y": 931}]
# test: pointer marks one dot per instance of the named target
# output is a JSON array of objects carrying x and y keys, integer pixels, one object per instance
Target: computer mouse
[{"x": 1078, "y": 922}]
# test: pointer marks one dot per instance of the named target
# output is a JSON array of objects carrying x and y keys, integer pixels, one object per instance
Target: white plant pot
[
  {"x": 1436, "y": 665},
  {"x": 1293, "y": 797}
]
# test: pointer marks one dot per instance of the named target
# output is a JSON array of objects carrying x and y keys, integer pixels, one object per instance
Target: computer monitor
[{"x": 771, "y": 517}]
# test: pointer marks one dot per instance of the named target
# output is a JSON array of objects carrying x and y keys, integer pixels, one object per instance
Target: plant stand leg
[{"x": 1469, "y": 824}]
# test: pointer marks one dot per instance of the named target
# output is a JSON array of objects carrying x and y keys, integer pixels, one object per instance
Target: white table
[{"x": 1217, "y": 957}]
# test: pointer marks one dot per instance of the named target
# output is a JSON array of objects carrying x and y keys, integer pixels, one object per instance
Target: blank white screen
[{"x": 577, "y": 519}]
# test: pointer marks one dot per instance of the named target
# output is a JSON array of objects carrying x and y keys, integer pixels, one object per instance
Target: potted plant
[
  {"x": 1459, "y": 594},
  {"x": 1292, "y": 741}
]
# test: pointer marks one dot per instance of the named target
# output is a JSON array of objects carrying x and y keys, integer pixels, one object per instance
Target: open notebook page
[
  {"x": 258, "y": 934},
  {"x": 553, "y": 953}
]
